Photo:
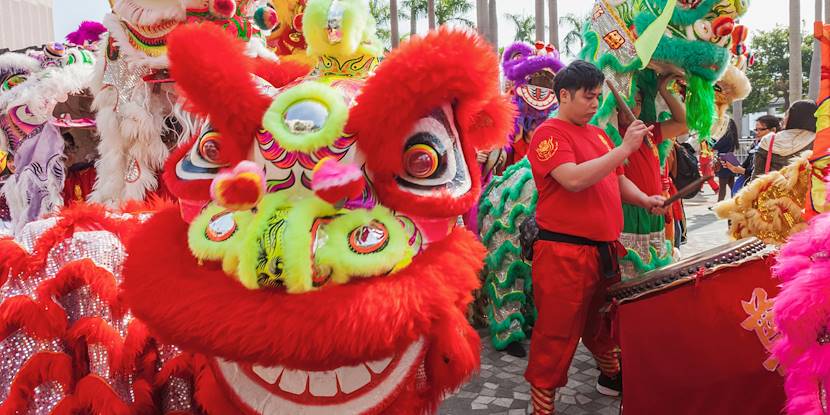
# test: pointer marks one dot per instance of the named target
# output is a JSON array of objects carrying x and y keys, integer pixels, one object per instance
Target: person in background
[
  {"x": 726, "y": 145},
  {"x": 776, "y": 150},
  {"x": 764, "y": 126}
]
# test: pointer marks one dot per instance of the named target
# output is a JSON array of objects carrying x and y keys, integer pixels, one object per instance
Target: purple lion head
[
  {"x": 88, "y": 31},
  {"x": 521, "y": 60},
  {"x": 530, "y": 71}
]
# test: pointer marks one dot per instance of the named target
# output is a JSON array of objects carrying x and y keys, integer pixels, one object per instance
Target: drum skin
[{"x": 697, "y": 347}]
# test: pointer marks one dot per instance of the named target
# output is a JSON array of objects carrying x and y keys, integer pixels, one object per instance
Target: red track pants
[{"x": 568, "y": 292}]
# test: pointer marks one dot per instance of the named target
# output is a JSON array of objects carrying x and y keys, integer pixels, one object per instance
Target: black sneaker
[
  {"x": 515, "y": 349},
  {"x": 609, "y": 386}
]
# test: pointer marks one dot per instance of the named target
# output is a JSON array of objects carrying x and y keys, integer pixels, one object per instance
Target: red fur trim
[
  {"x": 96, "y": 395},
  {"x": 79, "y": 217},
  {"x": 123, "y": 353},
  {"x": 77, "y": 274},
  {"x": 92, "y": 330},
  {"x": 453, "y": 356},
  {"x": 20, "y": 312},
  {"x": 135, "y": 344},
  {"x": 196, "y": 307},
  {"x": 446, "y": 66},
  {"x": 190, "y": 190},
  {"x": 280, "y": 73},
  {"x": 208, "y": 393},
  {"x": 13, "y": 259},
  {"x": 41, "y": 368},
  {"x": 211, "y": 68},
  {"x": 181, "y": 366}
]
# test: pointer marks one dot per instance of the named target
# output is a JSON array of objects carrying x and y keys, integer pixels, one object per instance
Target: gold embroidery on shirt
[{"x": 546, "y": 149}]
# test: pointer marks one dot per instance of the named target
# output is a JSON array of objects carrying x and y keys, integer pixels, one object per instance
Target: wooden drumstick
[
  {"x": 623, "y": 107},
  {"x": 691, "y": 187}
]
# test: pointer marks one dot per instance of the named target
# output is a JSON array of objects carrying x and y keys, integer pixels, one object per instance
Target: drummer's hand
[{"x": 654, "y": 205}]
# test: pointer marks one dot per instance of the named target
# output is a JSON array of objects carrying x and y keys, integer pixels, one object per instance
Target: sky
[{"x": 762, "y": 15}]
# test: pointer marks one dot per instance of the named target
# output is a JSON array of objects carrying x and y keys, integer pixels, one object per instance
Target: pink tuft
[
  {"x": 802, "y": 314},
  {"x": 230, "y": 190},
  {"x": 88, "y": 31},
  {"x": 333, "y": 181}
]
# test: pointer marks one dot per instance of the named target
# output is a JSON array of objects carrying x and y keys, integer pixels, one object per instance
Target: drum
[{"x": 696, "y": 336}]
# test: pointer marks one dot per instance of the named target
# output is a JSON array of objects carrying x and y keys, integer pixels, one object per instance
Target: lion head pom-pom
[{"x": 239, "y": 189}]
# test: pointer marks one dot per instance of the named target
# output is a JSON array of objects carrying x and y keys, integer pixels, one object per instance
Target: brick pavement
[{"x": 500, "y": 387}]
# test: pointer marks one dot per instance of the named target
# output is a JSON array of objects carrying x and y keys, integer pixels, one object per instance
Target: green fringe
[
  {"x": 681, "y": 16},
  {"x": 700, "y": 110},
  {"x": 642, "y": 267},
  {"x": 486, "y": 208},
  {"x": 638, "y": 221}
]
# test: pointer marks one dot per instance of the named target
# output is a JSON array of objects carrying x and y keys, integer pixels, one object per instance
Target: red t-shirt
[
  {"x": 594, "y": 213},
  {"x": 519, "y": 151},
  {"x": 643, "y": 167}
]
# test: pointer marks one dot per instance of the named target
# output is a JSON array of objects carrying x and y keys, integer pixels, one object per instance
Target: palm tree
[
  {"x": 393, "y": 26},
  {"x": 795, "y": 51},
  {"x": 815, "y": 65},
  {"x": 481, "y": 17},
  {"x": 493, "y": 20},
  {"x": 524, "y": 27},
  {"x": 431, "y": 14},
  {"x": 573, "y": 42},
  {"x": 540, "y": 20},
  {"x": 553, "y": 22},
  {"x": 447, "y": 11},
  {"x": 416, "y": 9}
]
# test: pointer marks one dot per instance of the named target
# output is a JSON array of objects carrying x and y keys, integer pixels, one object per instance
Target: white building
[{"x": 25, "y": 23}]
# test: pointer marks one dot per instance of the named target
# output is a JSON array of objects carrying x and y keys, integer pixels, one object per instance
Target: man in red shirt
[{"x": 579, "y": 177}]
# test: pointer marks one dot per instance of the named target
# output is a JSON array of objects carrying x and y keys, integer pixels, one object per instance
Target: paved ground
[{"x": 500, "y": 387}]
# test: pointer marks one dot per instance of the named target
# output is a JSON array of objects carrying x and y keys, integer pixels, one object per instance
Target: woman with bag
[
  {"x": 777, "y": 150},
  {"x": 764, "y": 126}
]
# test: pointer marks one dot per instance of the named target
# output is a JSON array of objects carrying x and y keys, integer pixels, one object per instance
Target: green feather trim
[
  {"x": 311, "y": 93},
  {"x": 486, "y": 207},
  {"x": 656, "y": 262},
  {"x": 700, "y": 108}
]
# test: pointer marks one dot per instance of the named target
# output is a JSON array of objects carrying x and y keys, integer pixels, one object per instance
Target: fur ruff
[
  {"x": 734, "y": 86},
  {"x": 435, "y": 284},
  {"x": 746, "y": 209},
  {"x": 46, "y": 88},
  {"x": 443, "y": 67}
]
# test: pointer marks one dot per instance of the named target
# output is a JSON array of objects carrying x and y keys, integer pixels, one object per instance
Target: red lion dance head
[{"x": 318, "y": 268}]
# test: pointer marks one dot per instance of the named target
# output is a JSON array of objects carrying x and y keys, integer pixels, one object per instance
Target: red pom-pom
[{"x": 223, "y": 8}]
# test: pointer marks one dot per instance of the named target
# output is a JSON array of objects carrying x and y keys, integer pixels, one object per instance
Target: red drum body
[{"x": 695, "y": 336}]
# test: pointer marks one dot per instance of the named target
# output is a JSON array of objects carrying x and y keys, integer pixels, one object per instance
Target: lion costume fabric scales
[{"x": 343, "y": 282}]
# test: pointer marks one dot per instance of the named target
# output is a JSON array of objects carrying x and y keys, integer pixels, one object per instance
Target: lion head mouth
[{"x": 346, "y": 389}]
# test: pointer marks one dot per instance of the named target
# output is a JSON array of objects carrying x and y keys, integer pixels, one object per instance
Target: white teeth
[
  {"x": 353, "y": 378},
  {"x": 268, "y": 374},
  {"x": 378, "y": 366},
  {"x": 322, "y": 384},
  {"x": 294, "y": 381}
]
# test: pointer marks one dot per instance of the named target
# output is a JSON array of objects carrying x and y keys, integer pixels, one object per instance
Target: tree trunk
[
  {"x": 795, "y": 52},
  {"x": 482, "y": 17},
  {"x": 431, "y": 13},
  {"x": 413, "y": 20},
  {"x": 393, "y": 23},
  {"x": 493, "y": 22},
  {"x": 553, "y": 23},
  {"x": 826, "y": 11},
  {"x": 540, "y": 20},
  {"x": 738, "y": 116},
  {"x": 815, "y": 64}
]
